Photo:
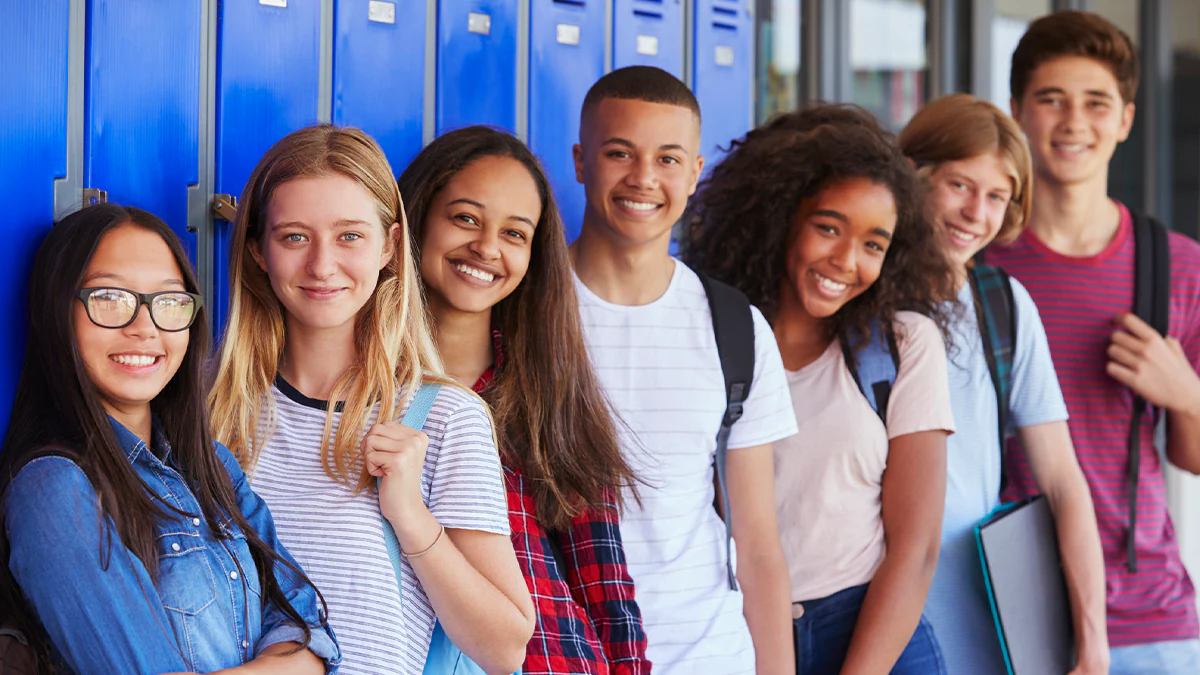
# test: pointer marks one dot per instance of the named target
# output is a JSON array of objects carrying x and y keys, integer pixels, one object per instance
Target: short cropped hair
[
  {"x": 641, "y": 83},
  {"x": 1075, "y": 33}
]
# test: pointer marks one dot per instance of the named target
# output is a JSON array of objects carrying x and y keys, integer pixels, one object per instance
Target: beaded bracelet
[{"x": 410, "y": 556}]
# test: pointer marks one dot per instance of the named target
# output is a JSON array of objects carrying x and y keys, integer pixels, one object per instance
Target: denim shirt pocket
[
  {"x": 185, "y": 578},
  {"x": 240, "y": 548}
]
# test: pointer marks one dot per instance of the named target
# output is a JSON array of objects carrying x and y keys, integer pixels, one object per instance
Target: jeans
[
  {"x": 1179, "y": 657},
  {"x": 823, "y": 635}
]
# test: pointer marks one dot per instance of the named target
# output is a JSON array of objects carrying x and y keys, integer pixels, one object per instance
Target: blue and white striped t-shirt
[{"x": 337, "y": 535}]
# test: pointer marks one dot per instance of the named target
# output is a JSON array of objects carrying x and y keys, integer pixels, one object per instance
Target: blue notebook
[{"x": 1018, "y": 546}]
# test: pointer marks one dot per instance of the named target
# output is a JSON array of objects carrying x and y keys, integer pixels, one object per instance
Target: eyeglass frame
[{"x": 143, "y": 299}]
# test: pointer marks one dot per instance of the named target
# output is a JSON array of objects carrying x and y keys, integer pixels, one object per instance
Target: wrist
[{"x": 415, "y": 529}]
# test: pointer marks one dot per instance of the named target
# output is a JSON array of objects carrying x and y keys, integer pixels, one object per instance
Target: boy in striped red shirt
[{"x": 1074, "y": 76}]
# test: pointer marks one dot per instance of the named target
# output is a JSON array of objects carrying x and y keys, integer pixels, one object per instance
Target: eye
[
  {"x": 1099, "y": 105},
  {"x": 670, "y": 160},
  {"x": 293, "y": 238},
  {"x": 466, "y": 219},
  {"x": 958, "y": 185},
  {"x": 876, "y": 246},
  {"x": 351, "y": 236},
  {"x": 999, "y": 198},
  {"x": 827, "y": 229},
  {"x": 617, "y": 154},
  {"x": 516, "y": 234}
]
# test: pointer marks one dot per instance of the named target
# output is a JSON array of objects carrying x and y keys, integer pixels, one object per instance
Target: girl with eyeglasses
[{"x": 132, "y": 542}]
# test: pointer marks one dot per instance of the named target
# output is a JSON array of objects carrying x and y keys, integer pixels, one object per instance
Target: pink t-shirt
[{"x": 829, "y": 476}]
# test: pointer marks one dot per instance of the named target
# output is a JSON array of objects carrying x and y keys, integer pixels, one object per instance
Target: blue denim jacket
[{"x": 96, "y": 601}]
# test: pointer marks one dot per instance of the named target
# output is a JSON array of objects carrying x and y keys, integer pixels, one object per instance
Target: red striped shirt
[{"x": 1077, "y": 299}]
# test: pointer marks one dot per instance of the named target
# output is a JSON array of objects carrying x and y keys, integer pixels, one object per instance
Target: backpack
[
  {"x": 875, "y": 364},
  {"x": 733, "y": 326}
]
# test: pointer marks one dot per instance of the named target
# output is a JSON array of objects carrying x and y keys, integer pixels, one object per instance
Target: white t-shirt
[
  {"x": 659, "y": 366},
  {"x": 957, "y": 606},
  {"x": 337, "y": 535}
]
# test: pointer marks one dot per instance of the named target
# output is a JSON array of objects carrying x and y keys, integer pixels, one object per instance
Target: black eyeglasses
[{"x": 171, "y": 311}]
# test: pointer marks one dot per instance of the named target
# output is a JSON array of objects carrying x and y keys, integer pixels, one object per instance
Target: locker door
[
  {"x": 476, "y": 64},
  {"x": 268, "y": 62},
  {"x": 648, "y": 33},
  {"x": 723, "y": 77},
  {"x": 33, "y": 153},
  {"x": 142, "y": 106},
  {"x": 374, "y": 42},
  {"x": 566, "y": 41}
]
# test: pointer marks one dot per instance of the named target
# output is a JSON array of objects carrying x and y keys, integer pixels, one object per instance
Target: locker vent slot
[
  {"x": 648, "y": 14},
  {"x": 576, "y": 3},
  {"x": 725, "y": 25}
]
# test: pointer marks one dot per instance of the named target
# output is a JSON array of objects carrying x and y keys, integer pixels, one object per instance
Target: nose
[
  {"x": 486, "y": 245},
  {"x": 321, "y": 260},
  {"x": 1073, "y": 115},
  {"x": 142, "y": 326},
  {"x": 845, "y": 257},
  {"x": 643, "y": 174},
  {"x": 973, "y": 209}
]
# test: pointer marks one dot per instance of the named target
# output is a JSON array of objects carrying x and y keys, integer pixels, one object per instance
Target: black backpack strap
[
  {"x": 733, "y": 325},
  {"x": 874, "y": 365},
  {"x": 996, "y": 313},
  {"x": 1151, "y": 303}
]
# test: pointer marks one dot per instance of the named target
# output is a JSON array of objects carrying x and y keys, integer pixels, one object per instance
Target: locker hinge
[
  {"x": 93, "y": 196},
  {"x": 225, "y": 207}
]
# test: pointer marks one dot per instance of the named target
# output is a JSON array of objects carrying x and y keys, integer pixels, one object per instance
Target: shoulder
[
  {"x": 1185, "y": 254},
  {"x": 456, "y": 410},
  {"x": 231, "y": 464},
  {"x": 915, "y": 331},
  {"x": 42, "y": 491}
]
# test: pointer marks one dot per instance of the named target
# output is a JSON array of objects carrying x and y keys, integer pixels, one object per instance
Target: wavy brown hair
[
  {"x": 740, "y": 224},
  {"x": 551, "y": 417}
]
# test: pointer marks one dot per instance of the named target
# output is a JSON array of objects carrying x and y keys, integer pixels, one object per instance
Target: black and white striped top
[{"x": 337, "y": 535}]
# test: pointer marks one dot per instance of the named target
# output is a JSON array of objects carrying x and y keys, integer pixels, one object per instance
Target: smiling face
[
  {"x": 839, "y": 240},
  {"x": 478, "y": 235},
  {"x": 969, "y": 199},
  {"x": 639, "y": 162},
  {"x": 323, "y": 247},
  {"x": 130, "y": 366},
  {"x": 1073, "y": 117}
]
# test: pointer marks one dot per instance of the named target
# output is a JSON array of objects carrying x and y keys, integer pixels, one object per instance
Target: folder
[{"x": 1018, "y": 546}]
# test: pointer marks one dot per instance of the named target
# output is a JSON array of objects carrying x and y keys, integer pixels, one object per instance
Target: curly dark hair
[{"x": 739, "y": 225}]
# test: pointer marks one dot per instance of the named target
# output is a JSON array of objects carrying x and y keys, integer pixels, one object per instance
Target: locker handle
[
  {"x": 93, "y": 196},
  {"x": 648, "y": 14},
  {"x": 225, "y": 207}
]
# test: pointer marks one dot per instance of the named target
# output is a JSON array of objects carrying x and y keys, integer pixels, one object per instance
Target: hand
[
  {"x": 1154, "y": 367},
  {"x": 395, "y": 454}
]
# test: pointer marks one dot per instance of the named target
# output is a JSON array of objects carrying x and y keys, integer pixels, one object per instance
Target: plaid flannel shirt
[{"x": 587, "y": 620}]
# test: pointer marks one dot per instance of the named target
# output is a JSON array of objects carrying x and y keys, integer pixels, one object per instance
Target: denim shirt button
[
  {"x": 245, "y": 644},
  {"x": 233, "y": 575},
  {"x": 175, "y": 547},
  {"x": 196, "y": 522}
]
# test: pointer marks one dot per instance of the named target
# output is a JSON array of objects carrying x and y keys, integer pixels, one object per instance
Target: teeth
[
  {"x": 133, "y": 360},
  {"x": 1072, "y": 147},
  {"x": 963, "y": 235},
  {"x": 637, "y": 206},
  {"x": 830, "y": 284},
  {"x": 477, "y": 273}
]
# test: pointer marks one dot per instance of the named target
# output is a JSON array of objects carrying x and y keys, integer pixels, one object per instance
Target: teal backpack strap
[
  {"x": 874, "y": 365},
  {"x": 996, "y": 312},
  {"x": 418, "y": 410}
]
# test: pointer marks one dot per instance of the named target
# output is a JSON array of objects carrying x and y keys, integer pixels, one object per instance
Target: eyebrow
[
  {"x": 1098, "y": 93},
  {"x": 629, "y": 144},
  {"x": 838, "y": 215},
  {"x": 299, "y": 225},
  {"x": 120, "y": 279},
  {"x": 472, "y": 202}
]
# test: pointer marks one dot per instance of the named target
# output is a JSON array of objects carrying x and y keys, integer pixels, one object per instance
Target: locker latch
[
  {"x": 225, "y": 207},
  {"x": 93, "y": 196}
]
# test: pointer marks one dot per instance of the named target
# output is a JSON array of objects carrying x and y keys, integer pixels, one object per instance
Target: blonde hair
[
  {"x": 960, "y": 127},
  {"x": 392, "y": 337}
]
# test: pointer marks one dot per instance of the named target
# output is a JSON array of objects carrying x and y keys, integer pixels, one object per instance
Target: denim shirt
[{"x": 96, "y": 601}]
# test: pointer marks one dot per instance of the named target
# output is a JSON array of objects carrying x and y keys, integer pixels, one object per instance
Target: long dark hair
[
  {"x": 551, "y": 417},
  {"x": 740, "y": 223},
  {"x": 58, "y": 410}
]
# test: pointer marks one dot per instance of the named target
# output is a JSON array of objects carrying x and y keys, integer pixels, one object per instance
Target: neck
[
  {"x": 137, "y": 418},
  {"x": 619, "y": 272},
  {"x": 1077, "y": 219},
  {"x": 801, "y": 336},
  {"x": 314, "y": 359},
  {"x": 464, "y": 340}
]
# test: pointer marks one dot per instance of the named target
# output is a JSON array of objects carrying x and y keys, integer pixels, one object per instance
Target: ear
[
  {"x": 389, "y": 245},
  {"x": 1127, "y": 115},
  {"x": 255, "y": 250},
  {"x": 696, "y": 173},
  {"x": 1014, "y": 108},
  {"x": 577, "y": 154}
]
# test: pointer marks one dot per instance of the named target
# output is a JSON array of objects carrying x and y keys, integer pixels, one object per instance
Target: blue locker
[
  {"x": 723, "y": 73},
  {"x": 648, "y": 33},
  {"x": 142, "y": 105},
  {"x": 566, "y": 41},
  {"x": 33, "y": 152},
  {"x": 374, "y": 40},
  {"x": 268, "y": 63},
  {"x": 476, "y": 64}
]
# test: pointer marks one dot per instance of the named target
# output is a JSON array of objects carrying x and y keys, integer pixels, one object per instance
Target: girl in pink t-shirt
[{"x": 819, "y": 219}]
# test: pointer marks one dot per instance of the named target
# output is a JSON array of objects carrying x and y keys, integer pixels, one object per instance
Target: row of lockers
[{"x": 168, "y": 104}]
